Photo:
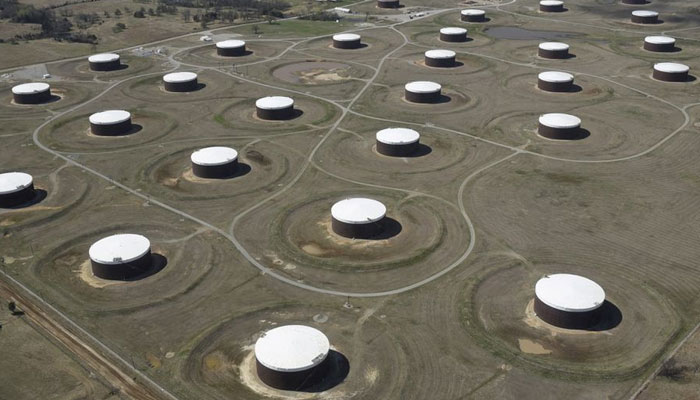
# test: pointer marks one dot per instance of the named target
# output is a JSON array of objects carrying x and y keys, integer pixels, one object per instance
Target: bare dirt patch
[
  {"x": 531, "y": 347},
  {"x": 84, "y": 271},
  {"x": 313, "y": 73}
]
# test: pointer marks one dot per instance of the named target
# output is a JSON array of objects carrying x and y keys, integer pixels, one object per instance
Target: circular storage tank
[
  {"x": 275, "y": 108},
  {"x": 568, "y": 301},
  {"x": 180, "y": 82},
  {"x": 121, "y": 256},
  {"x": 452, "y": 34},
  {"x": 216, "y": 162},
  {"x": 554, "y": 81},
  {"x": 551, "y": 6},
  {"x": 104, "y": 62},
  {"x": 440, "y": 58},
  {"x": 31, "y": 93},
  {"x": 388, "y": 4},
  {"x": 659, "y": 43},
  {"x": 559, "y": 126},
  {"x": 357, "y": 218},
  {"x": 16, "y": 188},
  {"x": 347, "y": 41},
  {"x": 553, "y": 50},
  {"x": 671, "y": 72},
  {"x": 422, "y": 92},
  {"x": 292, "y": 357},
  {"x": 397, "y": 142},
  {"x": 110, "y": 123},
  {"x": 473, "y": 15},
  {"x": 645, "y": 17},
  {"x": 230, "y": 48}
]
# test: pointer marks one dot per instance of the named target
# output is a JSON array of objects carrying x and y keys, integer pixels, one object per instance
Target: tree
[
  {"x": 151, "y": 12},
  {"x": 186, "y": 14},
  {"x": 139, "y": 14},
  {"x": 228, "y": 16},
  {"x": 256, "y": 29},
  {"x": 118, "y": 13},
  {"x": 118, "y": 27},
  {"x": 106, "y": 14},
  {"x": 12, "y": 306}
]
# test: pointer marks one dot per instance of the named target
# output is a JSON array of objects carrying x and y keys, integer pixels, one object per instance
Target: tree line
[
  {"x": 52, "y": 26},
  {"x": 256, "y": 7},
  {"x": 58, "y": 24}
]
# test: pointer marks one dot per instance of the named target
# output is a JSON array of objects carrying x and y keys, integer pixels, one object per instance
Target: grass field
[{"x": 440, "y": 306}]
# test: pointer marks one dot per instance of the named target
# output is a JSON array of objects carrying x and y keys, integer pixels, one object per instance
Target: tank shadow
[
  {"x": 657, "y": 22},
  {"x": 360, "y": 47},
  {"x": 421, "y": 150},
  {"x": 338, "y": 370},
  {"x": 158, "y": 262},
  {"x": 579, "y": 134},
  {"x": 39, "y": 196},
  {"x": 390, "y": 228},
  {"x": 296, "y": 113},
  {"x": 610, "y": 317},
  {"x": 119, "y": 68},
  {"x": 241, "y": 170},
  {"x": 200, "y": 86},
  {"x": 574, "y": 89},
  {"x": 466, "y": 40},
  {"x": 135, "y": 128},
  {"x": 51, "y": 99}
]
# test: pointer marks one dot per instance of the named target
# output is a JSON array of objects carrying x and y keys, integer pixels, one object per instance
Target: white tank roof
[
  {"x": 179, "y": 77},
  {"x": 397, "y": 136},
  {"x": 30, "y": 88},
  {"x": 554, "y": 46},
  {"x": 423, "y": 87},
  {"x": 659, "y": 40},
  {"x": 645, "y": 13},
  {"x": 274, "y": 102},
  {"x": 671, "y": 68},
  {"x": 358, "y": 210},
  {"x": 230, "y": 44},
  {"x": 440, "y": 54},
  {"x": 110, "y": 117},
  {"x": 453, "y": 31},
  {"x": 292, "y": 348},
  {"x": 119, "y": 249},
  {"x": 551, "y": 3},
  {"x": 473, "y": 12},
  {"x": 560, "y": 121},
  {"x": 555, "y": 77},
  {"x": 11, "y": 182},
  {"x": 346, "y": 37},
  {"x": 211, "y": 156},
  {"x": 103, "y": 58},
  {"x": 570, "y": 293}
]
